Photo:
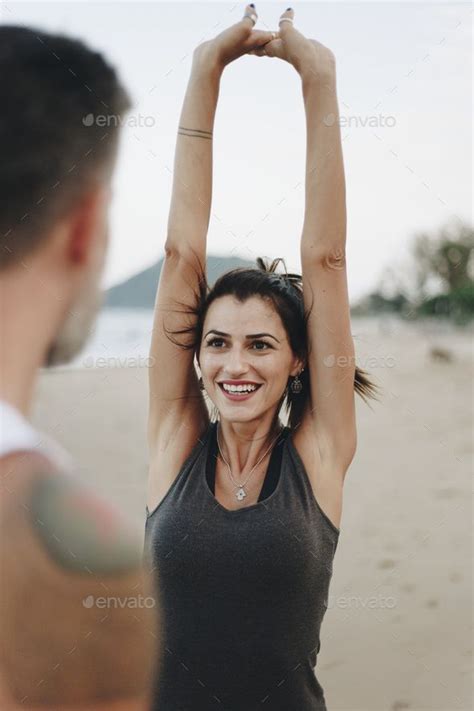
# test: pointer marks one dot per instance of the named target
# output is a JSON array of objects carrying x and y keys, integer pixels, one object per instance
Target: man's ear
[{"x": 86, "y": 224}]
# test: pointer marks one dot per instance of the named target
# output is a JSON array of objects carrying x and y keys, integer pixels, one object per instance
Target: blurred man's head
[{"x": 62, "y": 106}]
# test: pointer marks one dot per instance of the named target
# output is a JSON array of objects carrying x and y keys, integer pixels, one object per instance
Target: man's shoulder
[
  {"x": 79, "y": 529},
  {"x": 19, "y": 437},
  {"x": 74, "y": 595}
]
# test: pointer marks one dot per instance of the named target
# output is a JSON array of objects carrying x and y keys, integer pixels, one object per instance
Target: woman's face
[{"x": 245, "y": 342}]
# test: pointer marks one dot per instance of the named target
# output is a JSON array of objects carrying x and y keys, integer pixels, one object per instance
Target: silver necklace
[{"x": 241, "y": 493}]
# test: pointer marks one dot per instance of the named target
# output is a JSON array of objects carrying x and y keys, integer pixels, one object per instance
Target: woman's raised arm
[
  {"x": 323, "y": 256},
  {"x": 190, "y": 207},
  {"x": 192, "y": 179},
  {"x": 331, "y": 358},
  {"x": 175, "y": 400},
  {"x": 174, "y": 397}
]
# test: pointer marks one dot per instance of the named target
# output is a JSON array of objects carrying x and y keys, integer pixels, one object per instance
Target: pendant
[{"x": 241, "y": 494}]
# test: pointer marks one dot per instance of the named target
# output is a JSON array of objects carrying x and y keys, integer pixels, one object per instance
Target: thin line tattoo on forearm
[{"x": 195, "y": 132}]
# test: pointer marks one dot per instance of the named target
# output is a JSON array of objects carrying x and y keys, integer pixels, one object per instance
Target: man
[{"x": 77, "y": 627}]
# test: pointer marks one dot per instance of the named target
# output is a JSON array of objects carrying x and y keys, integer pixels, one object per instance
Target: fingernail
[
  {"x": 251, "y": 5},
  {"x": 289, "y": 8}
]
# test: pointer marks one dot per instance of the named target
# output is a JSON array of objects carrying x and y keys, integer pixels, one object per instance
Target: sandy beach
[{"x": 398, "y": 631}]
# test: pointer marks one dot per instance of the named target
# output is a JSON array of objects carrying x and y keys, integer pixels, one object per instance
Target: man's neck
[
  {"x": 17, "y": 388},
  {"x": 29, "y": 319}
]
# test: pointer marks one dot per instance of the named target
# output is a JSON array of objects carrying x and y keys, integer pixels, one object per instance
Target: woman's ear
[{"x": 300, "y": 365}]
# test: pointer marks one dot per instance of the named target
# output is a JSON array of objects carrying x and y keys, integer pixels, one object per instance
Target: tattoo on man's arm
[
  {"x": 80, "y": 531},
  {"x": 194, "y": 132}
]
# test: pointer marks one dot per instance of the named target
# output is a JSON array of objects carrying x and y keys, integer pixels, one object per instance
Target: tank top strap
[
  {"x": 202, "y": 445},
  {"x": 299, "y": 486}
]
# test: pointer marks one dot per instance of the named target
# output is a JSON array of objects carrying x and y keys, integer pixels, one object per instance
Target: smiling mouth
[{"x": 236, "y": 395}]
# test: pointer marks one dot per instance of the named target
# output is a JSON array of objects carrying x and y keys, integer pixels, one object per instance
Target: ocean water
[{"x": 121, "y": 338}]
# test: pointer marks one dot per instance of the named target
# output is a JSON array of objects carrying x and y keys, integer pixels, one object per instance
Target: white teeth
[{"x": 239, "y": 388}]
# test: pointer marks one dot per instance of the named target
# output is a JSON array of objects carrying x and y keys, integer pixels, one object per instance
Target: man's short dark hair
[{"x": 61, "y": 107}]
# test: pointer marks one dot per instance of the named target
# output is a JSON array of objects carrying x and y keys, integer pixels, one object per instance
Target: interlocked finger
[
  {"x": 288, "y": 31},
  {"x": 286, "y": 20},
  {"x": 250, "y": 14},
  {"x": 274, "y": 48}
]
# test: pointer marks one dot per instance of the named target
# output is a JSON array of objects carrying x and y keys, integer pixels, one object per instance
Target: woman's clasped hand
[{"x": 311, "y": 59}]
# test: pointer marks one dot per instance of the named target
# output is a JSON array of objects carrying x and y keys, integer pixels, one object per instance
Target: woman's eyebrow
[{"x": 250, "y": 335}]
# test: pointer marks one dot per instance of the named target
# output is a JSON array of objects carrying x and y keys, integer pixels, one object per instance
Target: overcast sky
[{"x": 404, "y": 86}]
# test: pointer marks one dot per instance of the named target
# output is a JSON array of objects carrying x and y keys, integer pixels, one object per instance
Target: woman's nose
[{"x": 236, "y": 362}]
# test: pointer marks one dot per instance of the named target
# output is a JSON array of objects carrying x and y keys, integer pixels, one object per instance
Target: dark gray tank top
[{"x": 243, "y": 592}]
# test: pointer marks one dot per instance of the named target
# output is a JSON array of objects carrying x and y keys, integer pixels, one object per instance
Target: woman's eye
[
  {"x": 263, "y": 343},
  {"x": 213, "y": 341}
]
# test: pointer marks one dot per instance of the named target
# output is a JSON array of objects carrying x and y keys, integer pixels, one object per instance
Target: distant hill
[{"x": 139, "y": 291}]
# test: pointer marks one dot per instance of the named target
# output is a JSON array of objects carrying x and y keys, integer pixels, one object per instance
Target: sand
[{"x": 398, "y": 631}]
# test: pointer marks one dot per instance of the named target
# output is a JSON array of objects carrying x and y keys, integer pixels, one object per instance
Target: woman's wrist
[
  {"x": 206, "y": 63},
  {"x": 314, "y": 81},
  {"x": 317, "y": 67},
  {"x": 201, "y": 98}
]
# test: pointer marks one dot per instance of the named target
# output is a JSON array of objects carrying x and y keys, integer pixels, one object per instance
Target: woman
[{"x": 244, "y": 542}]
